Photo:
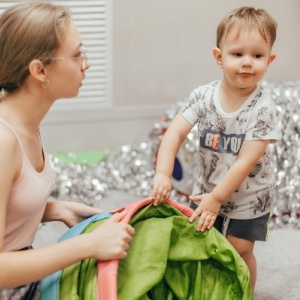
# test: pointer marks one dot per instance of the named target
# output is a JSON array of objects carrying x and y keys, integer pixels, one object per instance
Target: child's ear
[
  {"x": 218, "y": 57},
  {"x": 272, "y": 56}
]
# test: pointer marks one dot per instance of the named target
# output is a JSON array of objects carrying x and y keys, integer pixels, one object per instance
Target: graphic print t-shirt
[{"x": 221, "y": 136}]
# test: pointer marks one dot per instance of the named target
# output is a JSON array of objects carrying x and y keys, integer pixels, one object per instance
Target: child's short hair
[{"x": 248, "y": 18}]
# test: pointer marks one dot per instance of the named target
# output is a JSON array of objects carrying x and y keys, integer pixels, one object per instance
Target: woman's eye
[{"x": 77, "y": 55}]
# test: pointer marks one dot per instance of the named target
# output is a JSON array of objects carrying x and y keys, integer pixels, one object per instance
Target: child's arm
[
  {"x": 249, "y": 155},
  {"x": 175, "y": 135}
]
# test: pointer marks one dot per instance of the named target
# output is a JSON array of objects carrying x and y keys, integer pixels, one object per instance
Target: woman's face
[{"x": 67, "y": 71}]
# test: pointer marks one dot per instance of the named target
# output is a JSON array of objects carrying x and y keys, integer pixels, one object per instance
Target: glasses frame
[{"x": 83, "y": 57}]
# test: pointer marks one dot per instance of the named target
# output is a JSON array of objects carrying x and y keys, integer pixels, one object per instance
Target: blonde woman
[{"x": 42, "y": 59}]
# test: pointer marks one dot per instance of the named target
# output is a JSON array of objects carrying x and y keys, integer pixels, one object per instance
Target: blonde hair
[
  {"x": 248, "y": 18},
  {"x": 28, "y": 31}
]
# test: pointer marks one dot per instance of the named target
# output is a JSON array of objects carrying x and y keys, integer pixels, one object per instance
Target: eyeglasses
[{"x": 83, "y": 57}]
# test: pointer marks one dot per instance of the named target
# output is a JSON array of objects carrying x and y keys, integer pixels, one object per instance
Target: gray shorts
[{"x": 250, "y": 229}]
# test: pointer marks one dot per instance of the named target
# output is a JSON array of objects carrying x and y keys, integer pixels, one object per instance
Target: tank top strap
[
  {"x": 25, "y": 157},
  {"x": 13, "y": 131}
]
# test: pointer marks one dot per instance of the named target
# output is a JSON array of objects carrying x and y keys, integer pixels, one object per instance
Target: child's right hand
[{"x": 162, "y": 187}]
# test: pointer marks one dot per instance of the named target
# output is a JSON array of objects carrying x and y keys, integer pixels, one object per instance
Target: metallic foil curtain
[{"x": 131, "y": 168}]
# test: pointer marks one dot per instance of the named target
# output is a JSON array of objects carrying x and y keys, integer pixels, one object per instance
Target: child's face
[{"x": 244, "y": 58}]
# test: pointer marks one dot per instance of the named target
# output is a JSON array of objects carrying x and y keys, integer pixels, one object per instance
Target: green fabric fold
[
  {"x": 79, "y": 281},
  {"x": 168, "y": 260}
]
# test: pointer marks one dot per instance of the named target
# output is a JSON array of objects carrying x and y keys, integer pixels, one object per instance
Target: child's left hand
[{"x": 207, "y": 211}]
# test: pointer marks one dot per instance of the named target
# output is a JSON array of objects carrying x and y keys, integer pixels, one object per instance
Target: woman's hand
[
  {"x": 111, "y": 239},
  {"x": 68, "y": 212}
]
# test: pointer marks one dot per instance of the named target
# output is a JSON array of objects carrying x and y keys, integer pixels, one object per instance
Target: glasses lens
[{"x": 84, "y": 63}]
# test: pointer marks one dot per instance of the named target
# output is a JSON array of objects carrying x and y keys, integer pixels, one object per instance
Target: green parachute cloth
[{"x": 168, "y": 260}]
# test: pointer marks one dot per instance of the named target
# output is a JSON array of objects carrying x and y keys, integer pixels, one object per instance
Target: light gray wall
[{"x": 162, "y": 49}]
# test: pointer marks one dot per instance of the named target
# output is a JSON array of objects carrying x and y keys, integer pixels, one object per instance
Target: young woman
[{"x": 42, "y": 59}]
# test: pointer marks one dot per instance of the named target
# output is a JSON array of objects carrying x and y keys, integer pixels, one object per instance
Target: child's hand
[
  {"x": 207, "y": 211},
  {"x": 161, "y": 188}
]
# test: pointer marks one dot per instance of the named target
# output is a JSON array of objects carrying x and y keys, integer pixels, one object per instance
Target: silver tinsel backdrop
[{"x": 131, "y": 168}]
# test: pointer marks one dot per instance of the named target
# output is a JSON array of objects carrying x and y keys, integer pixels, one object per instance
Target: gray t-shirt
[{"x": 221, "y": 136}]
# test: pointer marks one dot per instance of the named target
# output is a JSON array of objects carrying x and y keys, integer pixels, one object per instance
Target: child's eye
[
  {"x": 257, "y": 55},
  {"x": 237, "y": 54}
]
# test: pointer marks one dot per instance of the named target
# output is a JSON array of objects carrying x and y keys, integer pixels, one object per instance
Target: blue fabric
[{"x": 50, "y": 284}]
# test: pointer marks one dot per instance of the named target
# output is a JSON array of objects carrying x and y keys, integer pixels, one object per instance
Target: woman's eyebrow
[{"x": 78, "y": 47}]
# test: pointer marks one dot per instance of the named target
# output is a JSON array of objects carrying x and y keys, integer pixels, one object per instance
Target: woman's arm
[
  {"x": 109, "y": 241},
  {"x": 10, "y": 162}
]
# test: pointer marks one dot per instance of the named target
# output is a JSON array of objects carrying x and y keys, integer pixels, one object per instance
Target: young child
[
  {"x": 42, "y": 59},
  {"x": 236, "y": 121}
]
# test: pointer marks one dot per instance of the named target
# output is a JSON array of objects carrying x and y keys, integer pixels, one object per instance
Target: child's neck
[{"x": 232, "y": 98}]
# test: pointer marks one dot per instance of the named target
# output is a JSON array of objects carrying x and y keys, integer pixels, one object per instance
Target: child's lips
[{"x": 246, "y": 74}]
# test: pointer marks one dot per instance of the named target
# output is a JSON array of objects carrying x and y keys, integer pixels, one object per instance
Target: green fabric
[
  {"x": 79, "y": 281},
  {"x": 168, "y": 260}
]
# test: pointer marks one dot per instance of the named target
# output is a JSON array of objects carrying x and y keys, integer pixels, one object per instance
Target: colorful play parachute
[{"x": 168, "y": 259}]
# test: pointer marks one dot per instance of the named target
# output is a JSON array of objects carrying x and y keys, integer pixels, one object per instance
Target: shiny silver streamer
[{"x": 131, "y": 168}]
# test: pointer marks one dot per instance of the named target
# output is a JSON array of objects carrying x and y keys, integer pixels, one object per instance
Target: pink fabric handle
[{"x": 107, "y": 270}]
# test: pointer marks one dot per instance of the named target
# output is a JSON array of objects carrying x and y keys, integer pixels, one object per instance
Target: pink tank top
[{"x": 27, "y": 201}]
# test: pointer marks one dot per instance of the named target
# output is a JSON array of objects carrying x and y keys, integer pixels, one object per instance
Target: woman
[{"x": 42, "y": 59}]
